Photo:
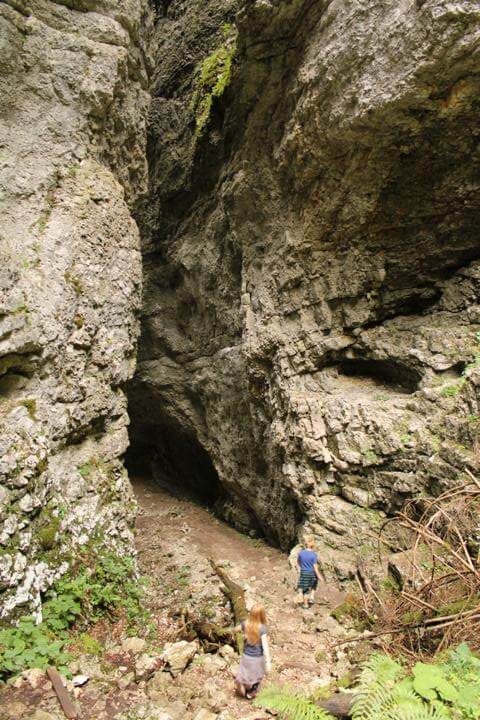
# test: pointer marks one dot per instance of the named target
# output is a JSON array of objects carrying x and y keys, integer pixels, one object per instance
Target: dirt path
[
  {"x": 174, "y": 540},
  {"x": 167, "y": 525}
]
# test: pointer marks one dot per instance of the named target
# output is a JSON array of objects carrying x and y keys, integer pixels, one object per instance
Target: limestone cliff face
[
  {"x": 74, "y": 100},
  {"x": 312, "y": 271}
]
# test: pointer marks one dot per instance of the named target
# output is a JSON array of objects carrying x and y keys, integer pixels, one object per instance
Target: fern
[
  {"x": 380, "y": 670},
  {"x": 430, "y": 691},
  {"x": 290, "y": 705},
  {"x": 383, "y": 695}
]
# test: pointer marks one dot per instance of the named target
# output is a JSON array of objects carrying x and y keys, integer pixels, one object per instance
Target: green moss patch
[{"x": 213, "y": 77}]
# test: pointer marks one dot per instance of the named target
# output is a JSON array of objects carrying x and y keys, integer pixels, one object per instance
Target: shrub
[{"x": 101, "y": 586}]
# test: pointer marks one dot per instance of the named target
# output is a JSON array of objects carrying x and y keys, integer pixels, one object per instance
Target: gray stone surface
[
  {"x": 73, "y": 82},
  {"x": 311, "y": 301},
  {"x": 310, "y": 351},
  {"x": 178, "y": 655}
]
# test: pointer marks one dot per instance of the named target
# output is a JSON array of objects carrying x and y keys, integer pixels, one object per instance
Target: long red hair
[{"x": 256, "y": 618}]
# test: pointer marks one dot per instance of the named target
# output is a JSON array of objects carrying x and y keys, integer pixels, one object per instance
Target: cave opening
[
  {"x": 401, "y": 377},
  {"x": 175, "y": 460}
]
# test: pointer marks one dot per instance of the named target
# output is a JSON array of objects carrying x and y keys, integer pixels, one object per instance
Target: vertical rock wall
[
  {"x": 73, "y": 88},
  {"x": 312, "y": 272}
]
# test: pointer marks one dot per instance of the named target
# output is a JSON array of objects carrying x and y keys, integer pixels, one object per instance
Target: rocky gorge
[
  {"x": 309, "y": 356},
  {"x": 295, "y": 185}
]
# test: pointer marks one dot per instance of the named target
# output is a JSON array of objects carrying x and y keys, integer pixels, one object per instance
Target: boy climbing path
[{"x": 307, "y": 561}]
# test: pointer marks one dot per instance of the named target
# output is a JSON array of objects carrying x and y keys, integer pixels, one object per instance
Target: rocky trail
[
  {"x": 174, "y": 538},
  {"x": 190, "y": 534}
]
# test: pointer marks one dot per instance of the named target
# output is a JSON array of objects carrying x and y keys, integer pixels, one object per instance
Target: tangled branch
[{"x": 438, "y": 602}]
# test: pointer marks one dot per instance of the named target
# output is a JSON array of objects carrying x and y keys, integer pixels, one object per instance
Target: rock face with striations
[
  {"x": 74, "y": 102},
  {"x": 310, "y": 353}
]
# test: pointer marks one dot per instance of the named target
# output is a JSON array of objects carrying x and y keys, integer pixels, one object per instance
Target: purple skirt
[{"x": 251, "y": 670}]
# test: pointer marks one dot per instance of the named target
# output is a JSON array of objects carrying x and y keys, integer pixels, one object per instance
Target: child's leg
[{"x": 240, "y": 688}]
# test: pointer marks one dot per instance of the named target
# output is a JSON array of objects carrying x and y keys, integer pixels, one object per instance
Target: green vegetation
[
  {"x": 445, "y": 690},
  {"x": 183, "y": 576},
  {"x": 213, "y": 76},
  {"x": 29, "y": 645},
  {"x": 453, "y": 389},
  {"x": 48, "y": 533},
  {"x": 370, "y": 456},
  {"x": 85, "y": 469},
  {"x": 351, "y": 608},
  {"x": 20, "y": 308},
  {"x": 31, "y": 405},
  {"x": 101, "y": 586},
  {"x": 89, "y": 645},
  {"x": 72, "y": 170},
  {"x": 290, "y": 705},
  {"x": 74, "y": 282}
]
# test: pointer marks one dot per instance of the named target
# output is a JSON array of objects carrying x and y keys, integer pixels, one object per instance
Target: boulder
[
  {"x": 409, "y": 568},
  {"x": 134, "y": 645},
  {"x": 35, "y": 677},
  {"x": 42, "y": 715},
  {"x": 176, "y": 710},
  {"x": 227, "y": 652},
  {"x": 178, "y": 655},
  {"x": 204, "y": 714},
  {"x": 156, "y": 687},
  {"x": 125, "y": 681},
  {"x": 146, "y": 665}
]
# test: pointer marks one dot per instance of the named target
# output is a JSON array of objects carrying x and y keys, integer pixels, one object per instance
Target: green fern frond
[
  {"x": 384, "y": 696},
  {"x": 289, "y": 704},
  {"x": 380, "y": 670}
]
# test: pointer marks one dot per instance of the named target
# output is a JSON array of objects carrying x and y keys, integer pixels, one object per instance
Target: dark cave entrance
[
  {"x": 175, "y": 460},
  {"x": 165, "y": 453}
]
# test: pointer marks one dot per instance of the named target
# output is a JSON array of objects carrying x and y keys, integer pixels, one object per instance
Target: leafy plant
[
  {"x": 29, "y": 645},
  {"x": 290, "y": 704},
  {"x": 448, "y": 690},
  {"x": 104, "y": 585},
  {"x": 89, "y": 645},
  {"x": 430, "y": 682},
  {"x": 386, "y": 694}
]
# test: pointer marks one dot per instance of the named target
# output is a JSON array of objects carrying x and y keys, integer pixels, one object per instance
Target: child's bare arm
[{"x": 266, "y": 652}]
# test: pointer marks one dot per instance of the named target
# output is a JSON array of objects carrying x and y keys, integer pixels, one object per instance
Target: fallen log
[
  {"x": 236, "y": 595},
  {"x": 68, "y": 707}
]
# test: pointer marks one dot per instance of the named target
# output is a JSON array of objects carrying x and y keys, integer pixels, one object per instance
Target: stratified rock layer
[
  {"x": 311, "y": 270},
  {"x": 74, "y": 101}
]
